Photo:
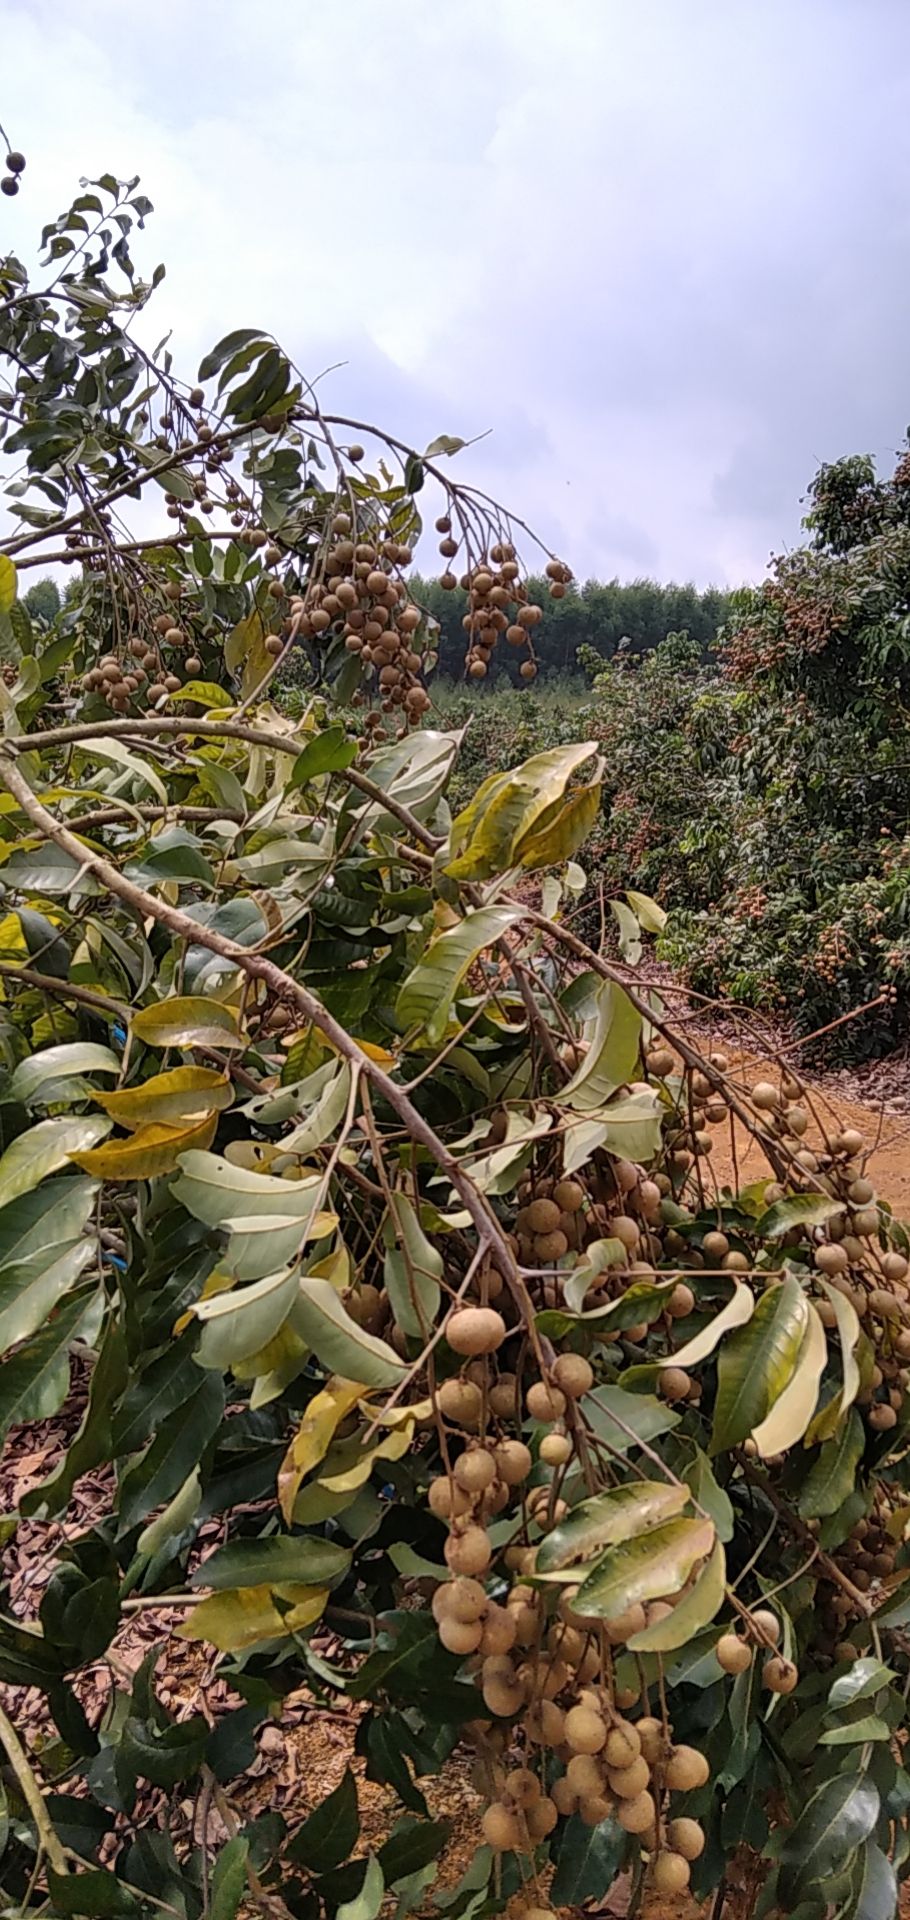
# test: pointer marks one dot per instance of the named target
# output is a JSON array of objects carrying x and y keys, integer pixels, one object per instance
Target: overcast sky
[{"x": 660, "y": 247}]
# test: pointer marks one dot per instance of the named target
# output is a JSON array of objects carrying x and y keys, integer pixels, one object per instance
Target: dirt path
[{"x": 886, "y": 1133}]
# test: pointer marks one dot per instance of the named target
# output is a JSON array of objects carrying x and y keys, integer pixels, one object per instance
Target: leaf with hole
[{"x": 616, "y": 1515}]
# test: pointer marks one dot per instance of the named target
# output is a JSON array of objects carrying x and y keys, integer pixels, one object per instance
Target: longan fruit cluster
[
  {"x": 363, "y": 599},
  {"x": 498, "y": 604}
]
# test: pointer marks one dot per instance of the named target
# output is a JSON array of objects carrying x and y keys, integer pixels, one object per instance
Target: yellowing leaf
[
  {"x": 425, "y": 999},
  {"x": 148, "y": 1152},
  {"x": 187, "y": 1020},
  {"x": 649, "y": 915},
  {"x": 690, "y": 1614},
  {"x": 652, "y": 1565},
  {"x": 7, "y": 583},
  {"x": 737, "y": 1311},
  {"x": 348, "y": 1477},
  {"x": 243, "y": 1616},
  {"x": 561, "y": 834},
  {"x": 313, "y": 1438},
  {"x": 793, "y": 1409},
  {"x": 487, "y": 837},
  {"x": 183, "y": 1094}
]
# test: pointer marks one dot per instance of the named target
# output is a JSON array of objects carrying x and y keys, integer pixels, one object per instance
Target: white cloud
[{"x": 660, "y": 249}]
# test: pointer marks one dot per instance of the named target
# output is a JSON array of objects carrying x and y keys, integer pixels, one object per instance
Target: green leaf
[
  {"x": 187, "y": 1021},
  {"x": 178, "y": 1447},
  {"x": 328, "y": 1837},
  {"x": 165, "y": 1757},
  {"x": 216, "y": 1192},
  {"x": 865, "y": 1677},
  {"x": 848, "y": 1328},
  {"x": 699, "y": 1606},
  {"x": 792, "y": 1411},
  {"x": 640, "y": 1304},
  {"x": 832, "y": 1475},
  {"x": 45, "y": 1149},
  {"x": 757, "y": 1362},
  {"x": 854, "y": 1733},
  {"x": 625, "y": 1420},
  {"x": 58, "y": 1063},
  {"x": 608, "y": 1517},
  {"x": 702, "y": 1483},
  {"x": 874, "y": 1885},
  {"x": 368, "y": 1901},
  {"x": 325, "y": 1116},
  {"x": 240, "y": 1323},
  {"x": 119, "y": 756},
  {"x": 631, "y": 1126},
  {"x": 226, "y": 348},
  {"x": 411, "y": 1845},
  {"x": 342, "y": 1346},
  {"x": 298, "y": 1559},
  {"x": 487, "y": 836},
  {"x": 94, "y": 1892},
  {"x": 412, "y": 1270},
  {"x": 612, "y": 1054},
  {"x": 838, "y": 1817},
  {"x": 229, "y": 1878},
  {"x": 29, "y": 1291},
  {"x": 799, "y": 1210},
  {"x": 35, "y": 1368},
  {"x": 425, "y": 999},
  {"x": 654, "y": 1565},
  {"x": 588, "y": 1861},
  {"x": 327, "y": 752}
]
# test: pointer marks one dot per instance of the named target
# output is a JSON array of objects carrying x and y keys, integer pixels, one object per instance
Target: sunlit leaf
[
  {"x": 243, "y": 1617},
  {"x": 652, "y": 1566},
  {"x": 181, "y": 1095},
  {"x": 793, "y": 1409},
  {"x": 757, "y": 1362},
  {"x": 696, "y": 1608},
  {"x": 313, "y": 1438},
  {"x": 615, "y": 1515},
  {"x": 187, "y": 1021},
  {"x": 150, "y": 1151},
  {"x": 44, "y": 1149}
]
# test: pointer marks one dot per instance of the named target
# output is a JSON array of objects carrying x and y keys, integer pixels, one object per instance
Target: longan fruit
[
  {"x": 779, "y": 1675},
  {"x": 626, "y": 1230},
  {"x": 475, "y": 1471},
  {"x": 766, "y": 1624},
  {"x": 681, "y": 1302},
  {"x": 623, "y": 1745},
  {"x": 573, "y": 1375},
  {"x": 542, "y": 1818},
  {"x": 628, "y": 1782},
  {"x": 460, "y": 1636},
  {"x": 686, "y": 1837},
  {"x": 499, "y": 1630},
  {"x": 543, "y": 1216},
  {"x": 448, "y": 1502},
  {"x": 544, "y": 1402},
  {"x": 686, "y": 1769},
  {"x": 521, "y": 1787},
  {"x": 674, "y": 1384},
  {"x": 733, "y": 1654},
  {"x": 830, "y": 1259},
  {"x": 584, "y": 1775},
  {"x": 585, "y": 1730},
  {"x": 555, "y": 1449},
  {"x": 564, "y": 1800},
  {"x": 622, "y": 1627},
  {"x": 501, "y": 1830},
  {"x": 475, "y": 1330},
  {"x": 593, "y": 1808},
  {"x": 638, "y": 1815},
  {"x": 882, "y": 1417},
  {"x": 502, "y": 1698},
  {"x": 469, "y": 1551},
  {"x": 765, "y": 1095},
  {"x": 651, "y": 1738},
  {"x": 569, "y": 1196},
  {"x": 714, "y": 1245},
  {"x": 461, "y": 1402},
  {"x": 895, "y": 1266},
  {"x": 513, "y": 1461},
  {"x": 467, "y": 1599},
  {"x": 544, "y": 1723},
  {"x": 502, "y": 1396},
  {"x": 670, "y": 1872}
]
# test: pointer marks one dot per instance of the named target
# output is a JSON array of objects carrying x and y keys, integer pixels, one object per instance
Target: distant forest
[{"x": 598, "y": 614}]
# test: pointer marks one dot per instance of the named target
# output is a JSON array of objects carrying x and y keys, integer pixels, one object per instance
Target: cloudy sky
[{"x": 661, "y": 248}]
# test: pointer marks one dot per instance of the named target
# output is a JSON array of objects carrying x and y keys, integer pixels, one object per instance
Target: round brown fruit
[
  {"x": 573, "y": 1374},
  {"x": 686, "y": 1770},
  {"x": 670, "y": 1872},
  {"x": 469, "y": 1550},
  {"x": 544, "y": 1402},
  {"x": 585, "y": 1730},
  {"x": 686, "y": 1837},
  {"x": 779, "y": 1675},
  {"x": 734, "y": 1655},
  {"x": 475, "y": 1330}
]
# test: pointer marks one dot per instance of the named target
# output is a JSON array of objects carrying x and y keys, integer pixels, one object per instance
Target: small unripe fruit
[
  {"x": 555, "y": 1449},
  {"x": 766, "y": 1624},
  {"x": 674, "y": 1383},
  {"x": 686, "y": 1837},
  {"x": 475, "y": 1330},
  {"x": 670, "y": 1873},
  {"x": 733, "y": 1654},
  {"x": 779, "y": 1675},
  {"x": 686, "y": 1769}
]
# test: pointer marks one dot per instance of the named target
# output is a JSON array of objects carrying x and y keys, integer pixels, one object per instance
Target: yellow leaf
[
  {"x": 187, "y": 1020},
  {"x": 185, "y": 1093},
  {"x": 148, "y": 1152},
  {"x": 379, "y": 1055},
  {"x": 313, "y": 1438},
  {"x": 7, "y": 583},
  {"x": 336, "y": 1268},
  {"x": 241, "y": 1617},
  {"x": 391, "y": 1448},
  {"x": 217, "y": 1282},
  {"x": 559, "y": 836}
]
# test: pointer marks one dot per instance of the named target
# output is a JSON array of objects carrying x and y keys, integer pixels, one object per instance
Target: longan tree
[{"x": 358, "y": 1223}]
